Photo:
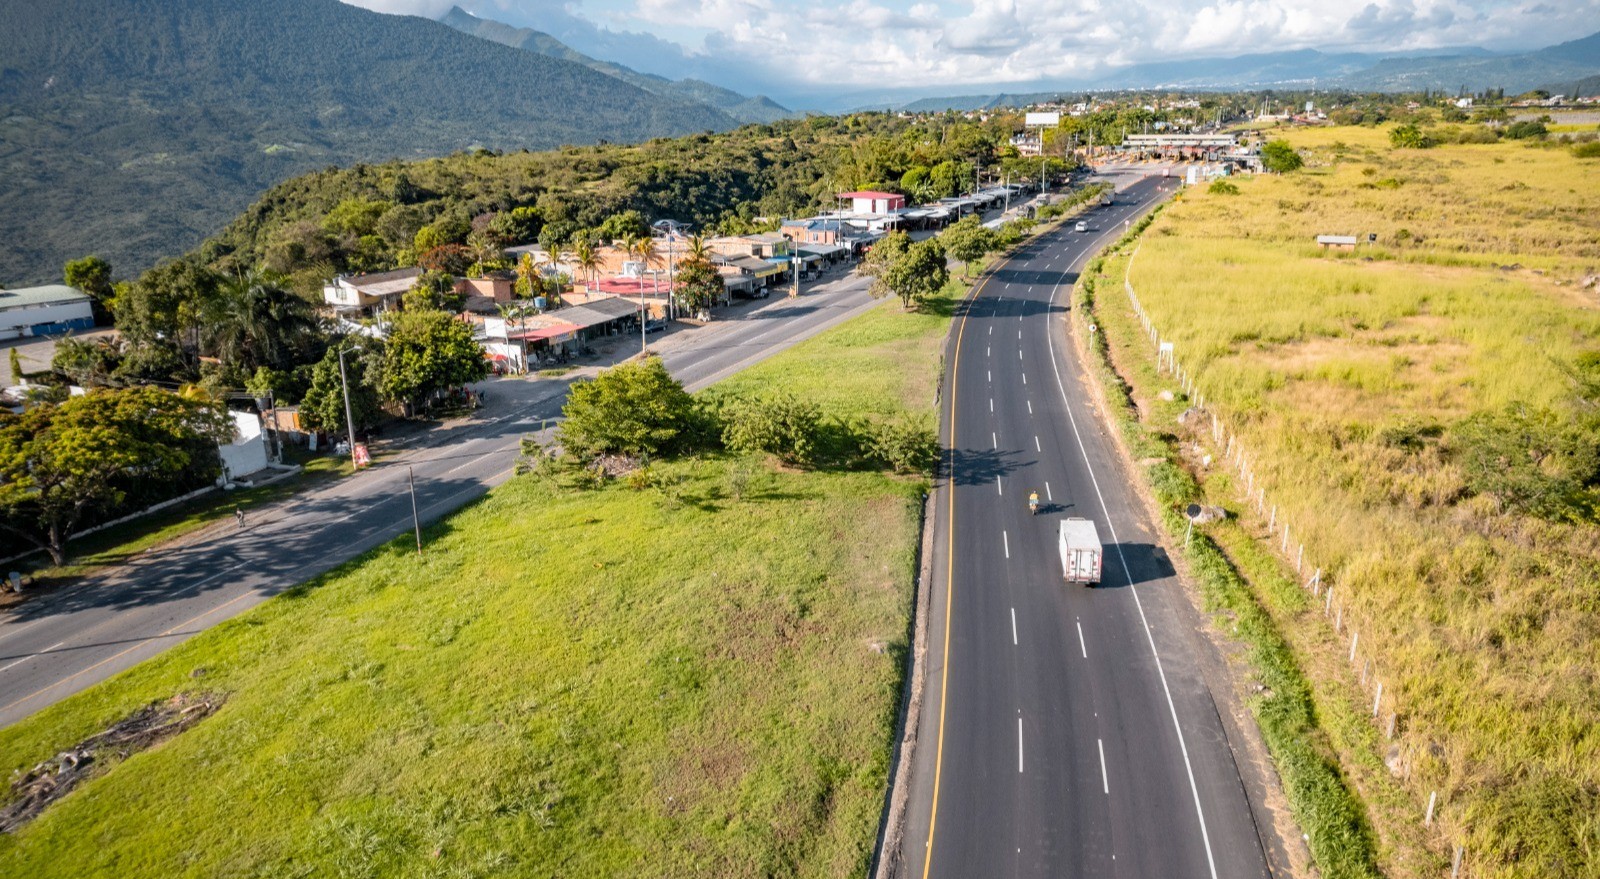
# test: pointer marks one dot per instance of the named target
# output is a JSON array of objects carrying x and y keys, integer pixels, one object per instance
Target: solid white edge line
[{"x": 1072, "y": 420}]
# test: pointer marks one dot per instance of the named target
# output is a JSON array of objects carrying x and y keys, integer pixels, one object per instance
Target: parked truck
[{"x": 1081, "y": 553}]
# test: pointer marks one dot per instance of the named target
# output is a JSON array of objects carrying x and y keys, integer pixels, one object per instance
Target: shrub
[
  {"x": 1222, "y": 187},
  {"x": 904, "y": 446},
  {"x": 1526, "y": 129},
  {"x": 1529, "y": 460},
  {"x": 1279, "y": 157},
  {"x": 777, "y": 424},
  {"x": 1409, "y": 137},
  {"x": 634, "y": 409},
  {"x": 1590, "y": 150}
]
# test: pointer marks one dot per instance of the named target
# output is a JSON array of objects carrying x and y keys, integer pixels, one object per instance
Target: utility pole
[
  {"x": 349, "y": 420},
  {"x": 416, "y": 523}
]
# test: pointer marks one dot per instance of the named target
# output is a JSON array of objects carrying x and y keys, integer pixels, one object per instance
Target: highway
[
  {"x": 57, "y": 644},
  {"x": 1066, "y": 731}
]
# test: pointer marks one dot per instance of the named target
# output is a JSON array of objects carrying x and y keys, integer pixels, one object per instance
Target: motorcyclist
[{"x": 1033, "y": 502}]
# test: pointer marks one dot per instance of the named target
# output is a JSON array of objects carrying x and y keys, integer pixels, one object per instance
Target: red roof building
[{"x": 869, "y": 202}]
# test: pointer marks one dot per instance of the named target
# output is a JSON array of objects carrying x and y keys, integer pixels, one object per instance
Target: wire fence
[{"x": 1386, "y": 709}]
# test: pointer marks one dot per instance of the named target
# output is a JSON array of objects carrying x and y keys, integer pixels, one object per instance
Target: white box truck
[{"x": 1081, "y": 553}]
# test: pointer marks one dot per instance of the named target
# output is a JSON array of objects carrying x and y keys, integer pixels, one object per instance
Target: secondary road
[
  {"x": 59, "y": 644},
  {"x": 1065, "y": 731}
]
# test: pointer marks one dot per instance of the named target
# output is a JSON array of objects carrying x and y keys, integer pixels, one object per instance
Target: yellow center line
[{"x": 950, "y": 571}]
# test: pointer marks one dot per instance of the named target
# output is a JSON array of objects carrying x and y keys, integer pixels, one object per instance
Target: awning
[
  {"x": 820, "y": 250},
  {"x": 553, "y": 333}
]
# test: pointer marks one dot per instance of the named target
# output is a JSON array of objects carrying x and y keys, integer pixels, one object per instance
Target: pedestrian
[{"x": 238, "y": 516}]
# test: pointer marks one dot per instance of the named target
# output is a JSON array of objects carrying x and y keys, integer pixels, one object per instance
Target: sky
[{"x": 801, "y": 51}]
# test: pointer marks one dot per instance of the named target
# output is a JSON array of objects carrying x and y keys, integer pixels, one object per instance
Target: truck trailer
[{"x": 1081, "y": 553}]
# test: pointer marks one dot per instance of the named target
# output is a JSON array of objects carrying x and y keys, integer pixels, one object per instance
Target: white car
[{"x": 1081, "y": 227}]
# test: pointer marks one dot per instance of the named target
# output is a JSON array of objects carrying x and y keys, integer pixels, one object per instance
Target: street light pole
[{"x": 349, "y": 420}]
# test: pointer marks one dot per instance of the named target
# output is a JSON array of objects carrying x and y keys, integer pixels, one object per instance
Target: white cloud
[{"x": 836, "y": 46}]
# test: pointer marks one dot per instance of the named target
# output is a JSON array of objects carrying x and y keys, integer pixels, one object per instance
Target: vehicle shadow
[{"x": 1146, "y": 563}]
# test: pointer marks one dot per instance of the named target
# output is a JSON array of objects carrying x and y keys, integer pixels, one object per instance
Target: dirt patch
[{"x": 53, "y": 779}]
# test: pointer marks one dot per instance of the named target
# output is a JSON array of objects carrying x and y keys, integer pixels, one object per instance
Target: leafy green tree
[
  {"x": 698, "y": 284},
  {"x": 254, "y": 321},
  {"x": 518, "y": 225},
  {"x": 428, "y": 351},
  {"x": 16, "y": 367},
  {"x": 355, "y": 217},
  {"x": 91, "y": 275},
  {"x": 912, "y": 272},
  {"x": 968, "y": 241},
  {"x": 777, "y": 423},
  {"x": 949, "y": 178},
  {"x": 635, "y": 409},
  {"x": 1409, "y": 137},
  {"x": 322, "y": 407},
  {"x": 627, "y": 224},
  {"x": 1279, "y": 157},
  {"x": 166, "y": 306},
  {"x": 60, "y": 464}
]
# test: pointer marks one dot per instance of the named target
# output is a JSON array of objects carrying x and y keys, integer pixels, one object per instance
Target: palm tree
[
  {"x": 586, "y": 258},
  {"x": 552, "y": 258},
  {"x": 528, "y": 285},
  {"x": 697, "y": 249},
  {"x": 256, "y": 321}
]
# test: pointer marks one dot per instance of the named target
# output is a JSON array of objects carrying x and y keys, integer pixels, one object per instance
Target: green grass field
[
  {"x": 695, "y": 682},
  {"x": 1482, "y": 625}
]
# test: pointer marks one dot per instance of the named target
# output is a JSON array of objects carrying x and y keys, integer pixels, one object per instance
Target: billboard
[{"x": 1050, "y": 119}]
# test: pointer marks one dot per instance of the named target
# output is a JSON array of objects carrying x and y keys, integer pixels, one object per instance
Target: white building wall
[
  {"x": 30, "y": 315},
  {"x": 248, "y": 452}
]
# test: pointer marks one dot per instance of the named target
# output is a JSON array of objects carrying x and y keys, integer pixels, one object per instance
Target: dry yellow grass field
[{"x": 1348, "y": 376}]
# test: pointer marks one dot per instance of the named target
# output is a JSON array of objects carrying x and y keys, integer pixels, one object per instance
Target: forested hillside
[
  {"x": 368, "y": 217},
  {"x": 743, "y": 109},
  {"x": 134, "y": 128}
]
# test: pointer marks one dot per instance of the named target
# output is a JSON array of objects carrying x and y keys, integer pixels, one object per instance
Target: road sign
[
  {"x": 1042, "y": 119},
  {"x": 362, "y": 458}
]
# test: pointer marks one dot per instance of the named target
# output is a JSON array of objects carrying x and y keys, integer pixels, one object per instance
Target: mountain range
[
  {"x": 134, "y": 128},
  {"x": 1472, "y": 68},
  {"x": 743, "y": 109}
]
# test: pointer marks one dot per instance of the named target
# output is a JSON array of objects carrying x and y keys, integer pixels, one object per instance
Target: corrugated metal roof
[{"x": 32, "y": 297}]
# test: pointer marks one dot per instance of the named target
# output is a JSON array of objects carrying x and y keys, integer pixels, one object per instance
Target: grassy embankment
[
  {"x": 701, "y": 682},
  {"x": 1345, "y": 378}
]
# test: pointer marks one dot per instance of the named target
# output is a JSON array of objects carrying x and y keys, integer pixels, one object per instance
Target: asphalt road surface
[
  {"x": 1066, "y": 731},
  {"x": 58, "y": 644}
]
